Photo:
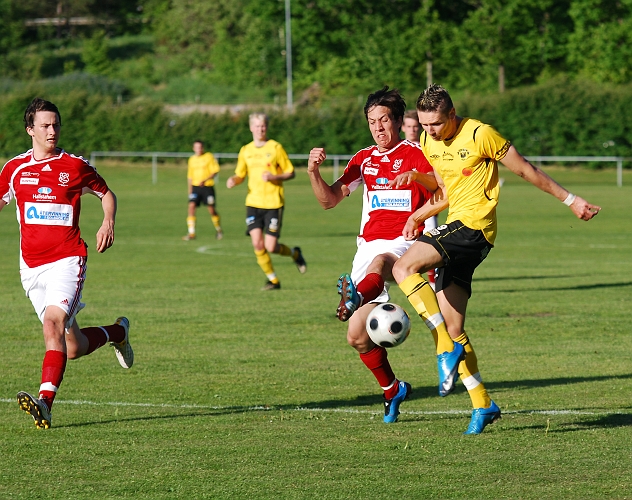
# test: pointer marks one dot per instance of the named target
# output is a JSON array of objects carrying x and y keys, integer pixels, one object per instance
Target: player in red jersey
[
  {"x": 392, "y": 172},
  {"x": 47, "y": 183}
]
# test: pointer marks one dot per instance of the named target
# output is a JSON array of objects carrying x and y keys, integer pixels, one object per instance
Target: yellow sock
[
  {"x": 265, "y": 263},
  {"x": 471, "y": 377},
  {"x": 215, "y": 219},
  {"x": 191, "y": 225},
  {"x": 422, "y": 297},
  {"x": 284, "y": 250}
]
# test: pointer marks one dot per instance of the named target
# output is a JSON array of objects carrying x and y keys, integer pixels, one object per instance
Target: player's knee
[{"x": 359, "y": 340}]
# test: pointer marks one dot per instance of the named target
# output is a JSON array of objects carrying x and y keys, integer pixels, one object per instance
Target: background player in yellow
[
  {"x": 203, "y": 168},
  {"x": 464, "y": 154},
  {"x": 266, "y": 165}
]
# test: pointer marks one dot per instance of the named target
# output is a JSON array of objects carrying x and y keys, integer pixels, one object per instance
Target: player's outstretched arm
[
  {"x": 515, "y": 162},
  {"x": 328, "y": 196},
  {"x": 105, "y": 234},
  {"x": 429, "y": 181}
]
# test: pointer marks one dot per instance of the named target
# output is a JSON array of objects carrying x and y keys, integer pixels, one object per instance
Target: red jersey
[
  {"x": 47, "y": 194},
  {"x": 385, "y": 210}
]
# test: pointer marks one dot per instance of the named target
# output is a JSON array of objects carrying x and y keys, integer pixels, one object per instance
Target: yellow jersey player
[
  {"x": 464, "y": 154},
  {"x": 266, "y": 165},
  {"x": 203, "y": 168}
]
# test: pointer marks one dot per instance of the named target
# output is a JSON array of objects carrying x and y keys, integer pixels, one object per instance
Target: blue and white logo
[
  {"x": 48, "y": 214},
  {"x": 381, "y": 180},
  {"x": 44, "y": 190}
]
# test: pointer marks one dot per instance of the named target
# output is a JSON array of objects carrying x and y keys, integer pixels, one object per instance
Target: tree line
[{"x": 346, "y": 47}]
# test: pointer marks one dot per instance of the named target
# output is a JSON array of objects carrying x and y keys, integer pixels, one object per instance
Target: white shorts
[
  {"x": 368, "y": 250},
  {"x": 59, "y": 283}
]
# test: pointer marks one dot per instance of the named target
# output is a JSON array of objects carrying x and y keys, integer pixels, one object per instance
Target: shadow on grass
[
  {"x": 592, "y": 286},
  {"x": 547, "y": 382},
  {"x": 613, "y": 420}
]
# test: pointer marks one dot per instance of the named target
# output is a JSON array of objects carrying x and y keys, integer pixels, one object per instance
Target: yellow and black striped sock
[
  {"x": 191, "y": 225},
  {"x": 265, "y": 263},
  {"x": 284, "y": 250},
  {"x": 216, "y": 223},
  {"x": 471, "y": 377},
  {"x": 422, "y": 297}
]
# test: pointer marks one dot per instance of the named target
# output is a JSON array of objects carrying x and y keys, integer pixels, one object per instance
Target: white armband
[{"x": 569, "y": 199}]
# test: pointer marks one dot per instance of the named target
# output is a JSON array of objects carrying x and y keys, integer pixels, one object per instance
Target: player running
[
  {"x": 465, "y": 155},
  {"x": 201, "y": 173},
  {"x": 388, "y": 171},
  {"x": 47, "y": 184},
  {"x": 267, "y": 166}
]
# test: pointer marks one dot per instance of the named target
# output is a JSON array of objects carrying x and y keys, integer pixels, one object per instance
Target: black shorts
[
  {"x": 203, "y": 194},
  {"x": 462, "y": 250},
  {"x": 267, "y": 219}
]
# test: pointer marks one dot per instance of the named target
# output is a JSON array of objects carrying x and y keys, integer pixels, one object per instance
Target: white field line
[{"x": 315, "y": 410}]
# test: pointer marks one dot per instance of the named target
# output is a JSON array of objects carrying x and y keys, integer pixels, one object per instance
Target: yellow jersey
[
  {"x": 202, "y": 167},
  {"x": 253, "y": 162},
  {"x": 468, "y": 166}
]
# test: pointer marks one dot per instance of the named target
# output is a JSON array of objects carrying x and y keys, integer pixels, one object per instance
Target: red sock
[
  {"x": 370, "y": 287},
  {"x": 376, "y": 360},
  {"x": 431, "y": 276},
  {"x": 97, "y": 337},
  {"x": 53, "y": 369}
]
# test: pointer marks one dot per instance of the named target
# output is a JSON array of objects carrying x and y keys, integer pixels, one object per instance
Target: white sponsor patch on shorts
[
  {"x": 48, "y": 214},
  {"x": 400, "y": 200}
]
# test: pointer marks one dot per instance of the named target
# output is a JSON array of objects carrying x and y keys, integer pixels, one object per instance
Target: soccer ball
[{"x": 388, "y": 325}]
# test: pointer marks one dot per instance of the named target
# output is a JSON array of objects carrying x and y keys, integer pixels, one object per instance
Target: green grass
[{"x": 238, "y": 393}]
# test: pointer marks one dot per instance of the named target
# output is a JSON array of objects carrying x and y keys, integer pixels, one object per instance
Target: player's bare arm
[
  {"x": 105, "y": 234},
  {"x": 429, "y": 181},
  {"x": 436, "y": 204},
  {"x": 2, "y": 204},
  {"x": 270, "y": 177},
  {"x": 233, "y": 181},
  {"x": 328, "y": 196},
  {"x": 515, "y": 162}
]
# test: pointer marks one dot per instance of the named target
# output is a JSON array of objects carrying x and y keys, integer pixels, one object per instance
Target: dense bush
[{"x": 558, "y": 118}]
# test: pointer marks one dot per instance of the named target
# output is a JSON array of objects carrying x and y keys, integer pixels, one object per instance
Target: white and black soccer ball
[{"x": 388, "y": 325}]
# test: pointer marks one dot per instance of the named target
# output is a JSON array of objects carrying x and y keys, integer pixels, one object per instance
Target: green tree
[{"x": 95, "y": 54}]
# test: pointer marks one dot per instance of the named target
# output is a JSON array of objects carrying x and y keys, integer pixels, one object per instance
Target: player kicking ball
[
  {"x": 47, "y": 183},
  {"x": 391, "y": 172}
]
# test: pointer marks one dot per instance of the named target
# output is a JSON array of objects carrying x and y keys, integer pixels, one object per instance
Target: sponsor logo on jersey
[
  {"x": 48, "y": 214},
  {"x": 46, "y": 168},
  {"x": 447, "y": 156},
  {"x": 29, "y": 180},
  {"x": 397, "y": 165},
  {"x": 27, "y": 174},
  {"x": 44, "y": 190},
  {"x": 463, "y": 154},
  {"x": 64, "y": 177},
  {"x": 434, "y": 157},
  {"x": 400, "y": 200},
  {"x": 370, "y": 171},
  {"x": 44, "y": 197},
  {"x": 381, "y": 180},
  {"x": 385, "y": 159}
]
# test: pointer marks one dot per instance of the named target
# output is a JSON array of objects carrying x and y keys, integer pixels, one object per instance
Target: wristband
[{"x": 569, "y": 199}]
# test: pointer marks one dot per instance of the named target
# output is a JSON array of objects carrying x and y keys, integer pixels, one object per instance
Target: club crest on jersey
[
  {"x": 397, "y": 165},
  {"x": 64, "y": 177},
  {"x": 46, "y": 168},
  {"x": 463, "y": 154}
]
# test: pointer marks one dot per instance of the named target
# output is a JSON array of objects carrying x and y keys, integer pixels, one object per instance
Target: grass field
[{"x": 238, "y": 393}]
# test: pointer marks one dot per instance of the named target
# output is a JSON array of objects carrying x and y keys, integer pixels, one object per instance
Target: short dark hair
[
  {"x": 36, "y": 105},
  {"x": 198, "y": 140},
  {"x": 390, "y": 99},
  {"x": 435, "y": 98},
  {"x": 412, "y": 114}
]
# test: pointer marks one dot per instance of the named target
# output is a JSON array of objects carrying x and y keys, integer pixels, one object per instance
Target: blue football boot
[
  {"x": 482, "y": 417},
  {"x": 448, "y": 365},
  {"x": 391, "y": 406},
  {"x": 349, "y": 298}
]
